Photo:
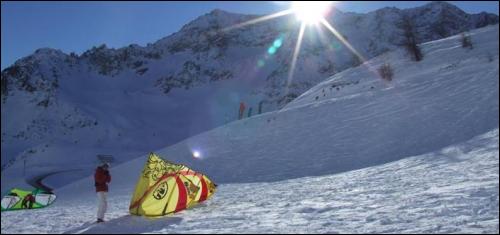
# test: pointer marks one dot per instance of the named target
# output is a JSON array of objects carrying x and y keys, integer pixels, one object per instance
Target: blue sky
[{"x": 77, "y": 26}]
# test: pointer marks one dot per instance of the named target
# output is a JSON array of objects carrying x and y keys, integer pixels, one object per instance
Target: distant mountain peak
[
  {"x": 442, "y": 5},
  {"x": 218, "y": 11},
  {"x": 46, "y": 51},
  {"x": 439, "y": 3},
  {"x": 217, "y": 18}
]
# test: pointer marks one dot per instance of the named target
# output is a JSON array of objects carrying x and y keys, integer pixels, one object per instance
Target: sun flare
[{"x": 310, "y": 12}]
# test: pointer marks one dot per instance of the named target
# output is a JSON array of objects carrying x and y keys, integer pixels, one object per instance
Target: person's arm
[{"x": 108, "y": 177}]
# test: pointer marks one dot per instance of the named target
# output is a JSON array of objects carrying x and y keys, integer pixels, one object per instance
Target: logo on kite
[
  {"x": 192, "y": 190},
  {"x": 161, "y": 191},
  {"x": 156, "y": 168}
]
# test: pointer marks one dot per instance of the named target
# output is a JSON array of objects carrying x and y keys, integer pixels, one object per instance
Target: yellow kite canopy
[{"x": 165, "y": 188}]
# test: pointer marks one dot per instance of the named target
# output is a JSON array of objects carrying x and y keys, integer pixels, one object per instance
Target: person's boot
[{"x": 100, "y": 220}]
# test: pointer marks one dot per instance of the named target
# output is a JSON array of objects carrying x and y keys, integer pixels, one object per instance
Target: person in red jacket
[
  {"x": 102, "y": 178},
  {"x": 242, "y": 110}
]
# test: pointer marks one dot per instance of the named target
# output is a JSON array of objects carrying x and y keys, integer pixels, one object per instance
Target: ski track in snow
[{"x": 454, "y": 190}]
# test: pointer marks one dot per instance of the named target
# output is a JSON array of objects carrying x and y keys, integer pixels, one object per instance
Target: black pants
[{"x": 27, "y": 204}]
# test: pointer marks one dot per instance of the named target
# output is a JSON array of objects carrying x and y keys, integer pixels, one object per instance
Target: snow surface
[
  {"x": 453, "y": 190},
  {"x": 437, "y": 110}
]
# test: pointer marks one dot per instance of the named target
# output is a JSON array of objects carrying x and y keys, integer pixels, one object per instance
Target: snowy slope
[
  {"x": 59, "y": 109},
  {"x": 449, "y": 97},
  {"x": 453, "y": 190}
]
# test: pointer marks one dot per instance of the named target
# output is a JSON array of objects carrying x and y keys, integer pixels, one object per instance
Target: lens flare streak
[
  {"x": 342, "y": 39},
  {"x": 260, "y": 19},
  {"x": 295, "y": 55}
]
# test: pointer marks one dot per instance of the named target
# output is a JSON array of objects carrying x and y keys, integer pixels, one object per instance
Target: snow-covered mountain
[
  {"x": 353, "y": 154},
  {"x": 132, "y": 100}
]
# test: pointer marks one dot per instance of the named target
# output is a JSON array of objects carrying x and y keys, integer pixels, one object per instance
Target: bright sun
[{"x": 310, "y": 12}]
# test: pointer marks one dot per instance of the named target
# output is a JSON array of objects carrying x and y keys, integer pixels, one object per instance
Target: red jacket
[
  {"x": 102, "y": 178},
  {"x": 29, "y": 198},
  {"x": 242, "y": 107}
]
